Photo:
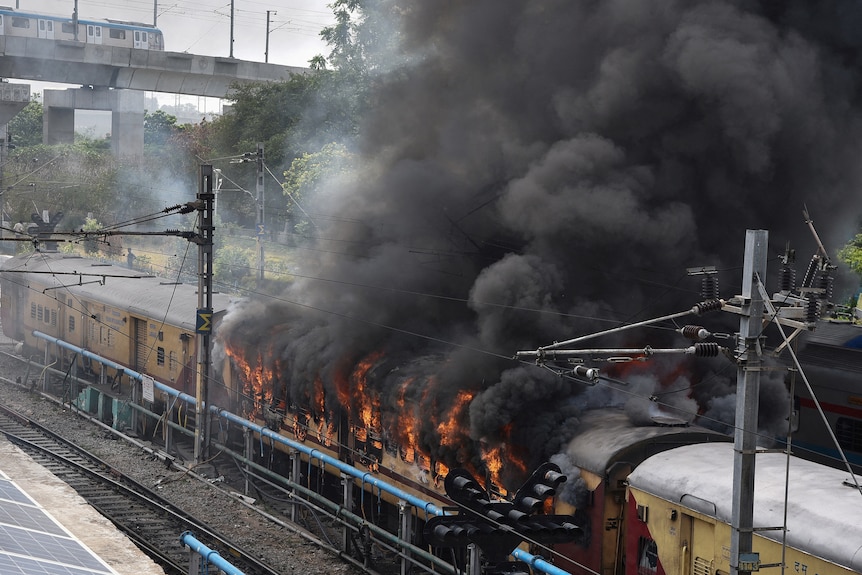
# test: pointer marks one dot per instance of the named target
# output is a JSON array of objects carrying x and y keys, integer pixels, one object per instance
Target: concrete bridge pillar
[
  {"x": 127, "y": 116},
  {"x": 13, "y": 99}
]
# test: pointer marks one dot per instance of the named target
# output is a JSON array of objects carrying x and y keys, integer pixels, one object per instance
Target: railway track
[{"x": 153, "y": 523}]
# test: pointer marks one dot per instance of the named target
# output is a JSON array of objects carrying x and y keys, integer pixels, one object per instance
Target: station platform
[{"x": 47, "y": 528}]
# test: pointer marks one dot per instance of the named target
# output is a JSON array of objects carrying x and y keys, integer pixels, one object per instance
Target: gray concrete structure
[
  {"x": 110, "y": 75},
  {"x": 96, "y": 65},
  {"x": 13, "y": 98},
  {"x": 127, "y": 118}
]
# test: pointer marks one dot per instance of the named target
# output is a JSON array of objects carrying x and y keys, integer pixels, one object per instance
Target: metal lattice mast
[
  {"x": 203, "y": 329},
  {"x": 748, "y": 352}
]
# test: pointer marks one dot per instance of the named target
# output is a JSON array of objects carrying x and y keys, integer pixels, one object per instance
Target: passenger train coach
[
  {"x": 648, "y": 499},
  {"x": 103, "y": 32}
]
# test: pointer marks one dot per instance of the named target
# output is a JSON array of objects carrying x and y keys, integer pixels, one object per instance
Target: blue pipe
[
  {"x": 429, "y": 507},
  {"x": 313, "y": 453},
  {"x": 211, "y": 556},
  {"x": 537, "y": 562},
  {"x": 130, "y": 372}
]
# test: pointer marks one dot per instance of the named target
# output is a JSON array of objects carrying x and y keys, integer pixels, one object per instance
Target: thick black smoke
[{"x": 556, "y": 161}]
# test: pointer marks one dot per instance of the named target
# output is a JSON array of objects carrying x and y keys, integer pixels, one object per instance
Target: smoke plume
[{"x": 537, "y": 170}]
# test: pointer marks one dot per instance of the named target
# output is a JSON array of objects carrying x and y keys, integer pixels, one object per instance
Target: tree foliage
[
  {"x": 26, "y": 126},
  {"x": 159, "y": 127},
  {"x": 302, "y": 181},
  {"x": 851, "y": 254}
]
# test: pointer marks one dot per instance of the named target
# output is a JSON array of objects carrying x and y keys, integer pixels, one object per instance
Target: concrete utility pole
[
  {"x": 266, "y": 50},
  {"x": 203, "y": 327},
  {"x": 231, "y": 28},
  {"x": 748, "y": 351},
  {"x": 74, "y": 19},
  {"x": 260, "y": 220}
]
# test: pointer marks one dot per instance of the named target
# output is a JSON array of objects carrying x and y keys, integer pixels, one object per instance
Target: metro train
[
  {"x": 649, "y": 499},
  {"x": 100, "y": 32}
]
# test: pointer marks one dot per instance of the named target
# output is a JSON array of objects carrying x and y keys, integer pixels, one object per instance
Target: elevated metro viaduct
[{"x": 115, "y": 79}]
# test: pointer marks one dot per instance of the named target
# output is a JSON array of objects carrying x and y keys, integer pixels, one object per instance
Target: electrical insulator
[
  {"x": 707, "y": 306},
  {"x": 709, "y": 287},
  {"x": 706, "y": 349},
  {"x": 812, "y": 310},
  {"x": 787, "y": 279},
  {"x": 694, "y": 332},
  {"x": 809, "y": 273},
  {"x": 824, "y": 282},
  {"x": 589, "y": 373}
]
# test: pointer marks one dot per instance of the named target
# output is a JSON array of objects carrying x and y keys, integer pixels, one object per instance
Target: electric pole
[
  {"x": 203, "y": 325},
  {"x": 260, "y": 221},
  {"x": 748, "y": 352},
  {"x": 266, "y": 50},
  {"x": 231, "y": 29}
]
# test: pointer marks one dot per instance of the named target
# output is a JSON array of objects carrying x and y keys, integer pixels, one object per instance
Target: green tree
[
  {"x": 304, "y": 178},
  {"x": 851, "y": 254},
  {"x": 25, "y": 127},
  {"x": 231, "y": 264},
  {"x": 159, "y": 127},
  {"x": 90, "y": 244}
]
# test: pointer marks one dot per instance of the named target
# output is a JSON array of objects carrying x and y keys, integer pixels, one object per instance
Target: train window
[
  {"x": 848, "y": 431},
  {"x": 647, "y": 556},
  {"x": 118, "y": 34},
  {"x": 71, "y": 323},
  {"x": 33, "y": 310},
  {"x": 18, "y": 22},
  {"x": 68, "y": 28},
  {"x": 160, "y": 356}
]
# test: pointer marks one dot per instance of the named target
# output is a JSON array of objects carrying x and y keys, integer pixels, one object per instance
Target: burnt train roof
[
  {"x": 113, "y": 285},
  {"x": 608, "y": 438},
  {"x": 824, "y": 506}
]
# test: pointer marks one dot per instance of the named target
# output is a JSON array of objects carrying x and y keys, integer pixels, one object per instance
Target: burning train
[{"x": 623, "y": 466}]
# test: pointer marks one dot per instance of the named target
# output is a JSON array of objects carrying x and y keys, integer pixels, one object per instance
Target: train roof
[
  {"x": 111, "y": 284},
  {"x": 608, "y": 438},
  {"x": 824, "y": 513}
]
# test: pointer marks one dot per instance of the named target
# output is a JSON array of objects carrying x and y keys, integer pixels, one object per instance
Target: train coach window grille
[
  {"x": 33, "y": 310},
  {"x": 20, "y": 22},
  {"x": 172, "y": 361},
  {"x": 54, "y": 318},
  {"x": 647, "y": 556},
  {"x": 160, "y": 356},
  {"x": 848, "y": 431},
  {"x": 71, "y": 324},
  {"x": 40, "y": 313}
]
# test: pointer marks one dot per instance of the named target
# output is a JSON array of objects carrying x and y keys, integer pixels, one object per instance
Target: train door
[
  {"x": 2, "y": 25},
  {"x": 46, "y": 29},
  {"x": 94, "y": 34},
  {"x": 139, "y": 346},
  {"x": 702, "y": 547},
  {"x": 142, "y": 40}
]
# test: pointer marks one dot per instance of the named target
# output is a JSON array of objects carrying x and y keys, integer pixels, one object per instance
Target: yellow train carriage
[
  {"x": 143, "y": 322},
  {"x": 679, "y": 508}
]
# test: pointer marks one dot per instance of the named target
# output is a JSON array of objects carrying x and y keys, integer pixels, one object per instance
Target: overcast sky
[{"x": 203, "y": 26}]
